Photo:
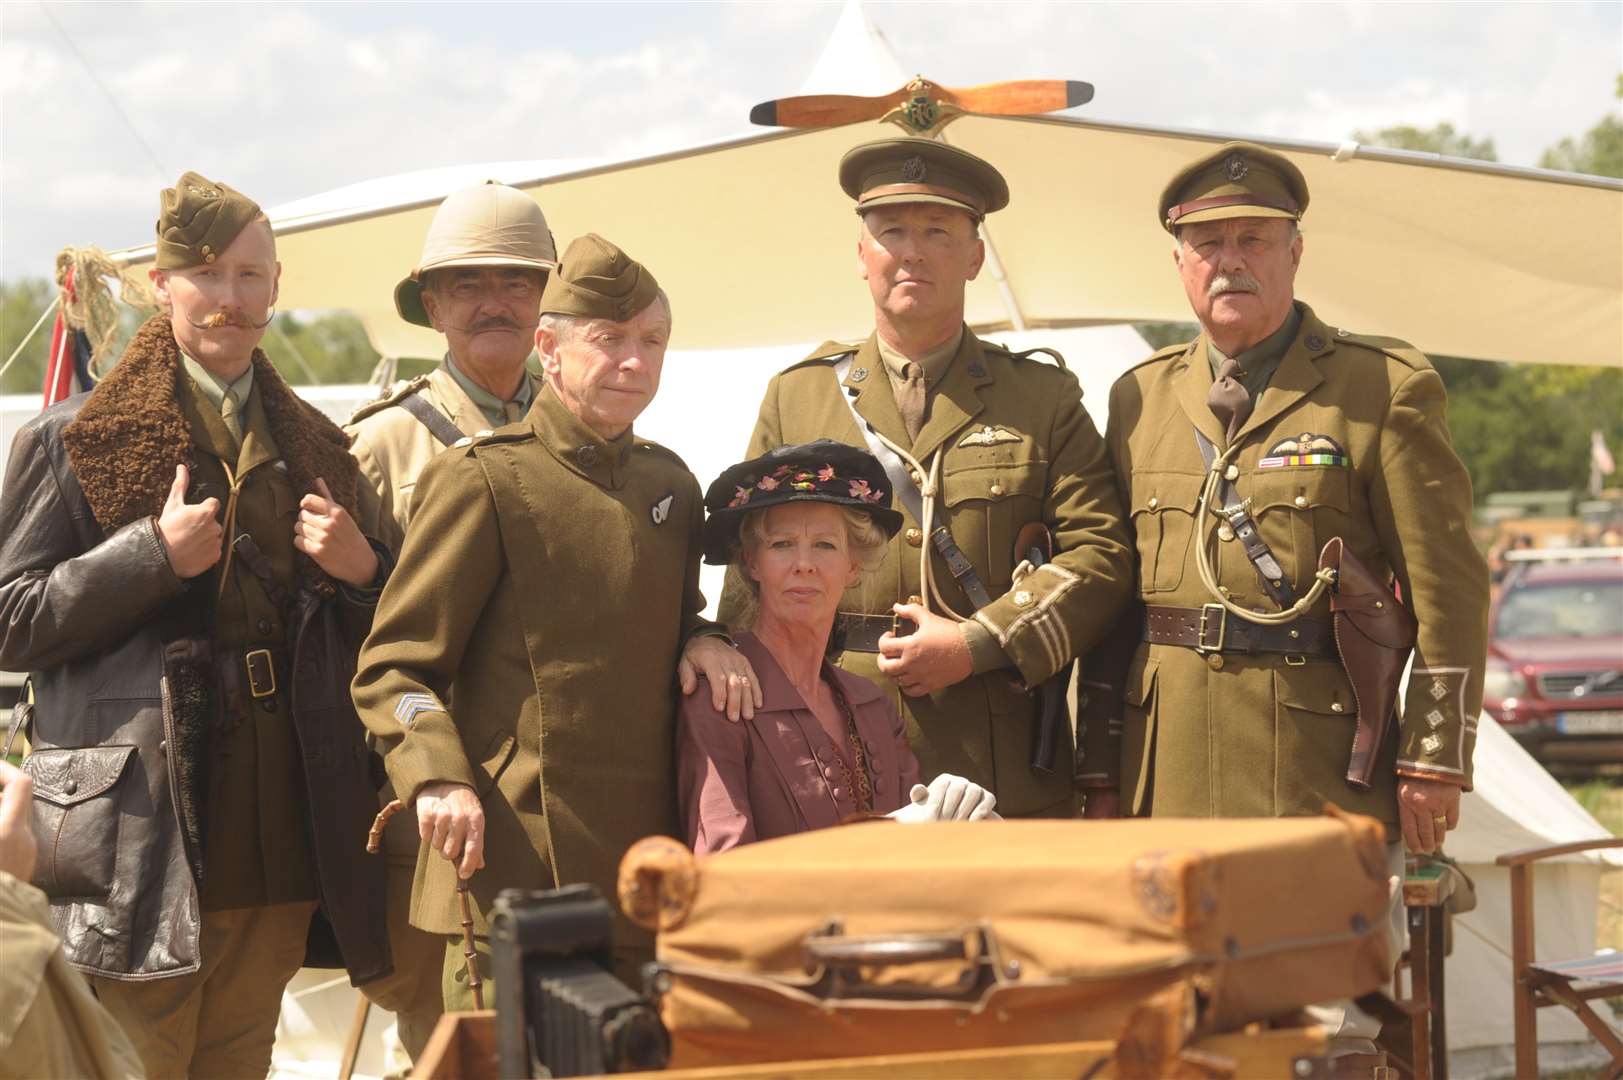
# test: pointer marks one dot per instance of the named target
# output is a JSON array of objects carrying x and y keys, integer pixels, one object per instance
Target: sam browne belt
[{"x": 1210, "y": 629}]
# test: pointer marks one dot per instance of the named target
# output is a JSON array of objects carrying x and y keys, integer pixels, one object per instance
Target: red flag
[{"x": 67, "y": 370}]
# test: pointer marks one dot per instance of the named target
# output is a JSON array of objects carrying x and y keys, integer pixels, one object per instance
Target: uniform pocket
[
  {"x": 1138, "y": 733},
  {"x": 985, "y": 507},
  {"x": 75, "y": 817},
  {"x": 1163, "y": 512},
  {"x": 1297, "y": 511},
  {"x": 1316, "y": 715}
]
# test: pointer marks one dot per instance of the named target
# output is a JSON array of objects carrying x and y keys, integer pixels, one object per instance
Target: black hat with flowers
[{"x": 821, "y": 471}]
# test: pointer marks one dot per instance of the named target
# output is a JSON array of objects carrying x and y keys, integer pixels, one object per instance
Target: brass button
[
  {"x": 1379, "y": 605},
  {"x": 996, "y": 490},
  {"x": 1301, "y": 502},
  {"x": 263, "y": 626},
  {"x": 1022, "y": 598},
  {"x": 1225, "y": 532},
  {"x": 1296, "y": 633},
  {"x": 208, "y": 258},
  {"x": 915, "y": 537},
  {"x": 1224, "y": 589},
  {"x": 1336, "y": 706},
  {"x": 586, "y": 456},
  {"x": 913, "y": 474},
  {"x": 1082, "y": 701},
  {"x": 1232, "y": 473},
  {"x": 1153, "y": 503},
  {"x": 1214, "y": 661}
]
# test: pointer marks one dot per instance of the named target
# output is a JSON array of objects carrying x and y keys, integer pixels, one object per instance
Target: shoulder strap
[
  {"x": 896, "y": 470},
  {"x": 22, "y": 717},
  {"x": 431, "y": 418},
  {"x": 1238, "y": 515}
]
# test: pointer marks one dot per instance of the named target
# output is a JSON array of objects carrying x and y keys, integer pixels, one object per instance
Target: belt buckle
[
  {"x": 261, "y": 673},
  {"x": 1222, "y": 628}
]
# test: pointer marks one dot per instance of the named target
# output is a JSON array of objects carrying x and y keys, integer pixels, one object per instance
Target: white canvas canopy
[{"x": 754, "y": 240}]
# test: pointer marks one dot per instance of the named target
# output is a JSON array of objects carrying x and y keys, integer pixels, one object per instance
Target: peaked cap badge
[
  {"x": 661, "y": 510},
  {"x": 914, "y": 170},
  {"x": 1235, "y": 167}
]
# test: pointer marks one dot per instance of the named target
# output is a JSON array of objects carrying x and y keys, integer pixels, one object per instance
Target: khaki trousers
[
  {"x": 413, "y": 992},
  {"x": 220, "y": 1021}
]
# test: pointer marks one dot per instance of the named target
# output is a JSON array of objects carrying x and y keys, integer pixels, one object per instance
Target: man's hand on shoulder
[
  {"x": 451, "y": 821},
  {"x": 325, "y": 532},
  {"x": 17, "y": 846},
  {"x": 190, "y": 533},
  {"x": 734, "y": 689},
  {"x": 931, "y": 658}
]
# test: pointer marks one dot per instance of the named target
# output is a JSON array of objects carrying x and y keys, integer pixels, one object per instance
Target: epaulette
[
  {"x": 1398, "y": 349},
  {"x": 391, "y": 396},
  {"x": 828, "y": 350},
  {"x": 650, "y": 446},
  {"x": 1166, "y": 353},
  {"x": 487, "y": 437}
]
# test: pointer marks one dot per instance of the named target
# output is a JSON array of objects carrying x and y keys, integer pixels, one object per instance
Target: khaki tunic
[
  {"x": 50, "y": 1022},
  {"x": 256, "y": 848},
  {"x": 392, "y": 447},
  {"x": 1260, "y": 736},
  {"x": 526, "y": 644},
  {"x": 1018, "y": 447}
]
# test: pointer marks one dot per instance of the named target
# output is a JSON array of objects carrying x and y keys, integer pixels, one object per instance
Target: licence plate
[{"x": 1599, "y": 722}]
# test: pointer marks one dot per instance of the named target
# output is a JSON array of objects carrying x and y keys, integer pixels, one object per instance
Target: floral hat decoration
[{"x": 821, "y": 471}]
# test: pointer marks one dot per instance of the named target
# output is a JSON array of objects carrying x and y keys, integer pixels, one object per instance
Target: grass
[{"x": 1604, "y": 799}]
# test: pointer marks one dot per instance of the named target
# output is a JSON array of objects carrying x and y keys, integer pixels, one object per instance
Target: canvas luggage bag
[{"x": 881, "y": 938}]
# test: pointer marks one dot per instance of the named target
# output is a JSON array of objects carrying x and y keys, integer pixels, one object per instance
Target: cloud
[{"x": 288, "y": 100}]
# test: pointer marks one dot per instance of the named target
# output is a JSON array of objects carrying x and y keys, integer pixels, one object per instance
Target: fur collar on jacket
[{"x": 130, "y": 433}]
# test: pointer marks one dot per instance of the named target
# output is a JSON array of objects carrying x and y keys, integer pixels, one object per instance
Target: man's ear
[
  {"x": 276, "y": 283},
  {"x": 980, "y": 257},
  {"x": 546, "y": 349},
  {"x": 160, "y": 285},
  {"x": 431, "y": 304}
]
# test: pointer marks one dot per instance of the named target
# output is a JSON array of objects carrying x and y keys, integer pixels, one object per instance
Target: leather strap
[
  {"x": 22, "y": 715},
  {"x": 258, "y": 565},
  {"x": 1183, "y": 210},
  {"x": 856, "y": 632},
  {"x": 1209, "y": 629},
  {"x": 431, "y": 418},
  {"x": 1238, "y": 515},
  {"x": 963, "y": 572}
]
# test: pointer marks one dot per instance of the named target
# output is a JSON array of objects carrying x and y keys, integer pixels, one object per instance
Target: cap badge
[
  {"x": 914, "y": 170},
  {"x": 1235, "y": 167},
  {"x": 1314, "y": 342},
  {"x": 662, "y": 509}
]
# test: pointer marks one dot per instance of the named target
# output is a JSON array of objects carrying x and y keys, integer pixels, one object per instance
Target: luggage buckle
[
  {"x": 1205, "y": 621},
  {"x": 261, "y": 673}
]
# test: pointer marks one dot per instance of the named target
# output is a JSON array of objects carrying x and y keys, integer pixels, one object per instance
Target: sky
[{"x": 104, "y": 104}]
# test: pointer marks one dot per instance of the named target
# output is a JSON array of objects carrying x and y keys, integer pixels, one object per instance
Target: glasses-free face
[{"x": 220, "y": 309}]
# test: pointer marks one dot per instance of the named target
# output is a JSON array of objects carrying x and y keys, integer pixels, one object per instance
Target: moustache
[
  {"x": 1238, "y": 281},
  {"x": 496, "y": 322},
  {"x": 230, "y": 318}
]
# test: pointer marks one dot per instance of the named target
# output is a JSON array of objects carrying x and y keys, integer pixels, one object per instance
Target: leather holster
[{"x": 1375, "y": 633}]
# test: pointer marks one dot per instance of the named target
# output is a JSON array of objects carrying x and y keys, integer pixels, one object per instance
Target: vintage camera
[{"x": 558, "y": 1010}]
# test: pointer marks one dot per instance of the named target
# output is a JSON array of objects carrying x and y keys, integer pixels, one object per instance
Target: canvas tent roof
[{"x": 754, "y": 241}]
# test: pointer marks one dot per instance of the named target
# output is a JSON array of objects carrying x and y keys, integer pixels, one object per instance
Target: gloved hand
[{"x": 948, "y": 798}]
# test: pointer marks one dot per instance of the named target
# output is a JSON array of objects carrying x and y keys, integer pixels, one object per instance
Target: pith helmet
[{"x": 490, "y": 224}]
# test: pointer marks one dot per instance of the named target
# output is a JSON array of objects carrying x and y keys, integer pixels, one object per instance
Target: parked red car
[{"x": 1555, "y": 657}]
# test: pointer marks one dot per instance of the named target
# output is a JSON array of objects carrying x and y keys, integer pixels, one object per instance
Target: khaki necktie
[
  {"x": 513, "y": 411},
  {"x": 231, "y": 414},
  {"x": 912, "y": 399},
  {"x": 1228, "y": 399}
]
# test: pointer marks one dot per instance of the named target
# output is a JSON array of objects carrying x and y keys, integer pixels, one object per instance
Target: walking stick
[{"x": 469, "y": 955}]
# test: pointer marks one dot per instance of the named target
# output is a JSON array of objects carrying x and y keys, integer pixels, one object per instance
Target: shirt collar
[
  {"x": 934, "y": 361},
  {"x": 1261, "y": 360},
  {"x": 493, "y": 407},
  {"x": 214, "y": 387}
]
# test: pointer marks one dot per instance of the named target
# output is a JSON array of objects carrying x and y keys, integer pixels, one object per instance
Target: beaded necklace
[{"x": 858, "y": 780}]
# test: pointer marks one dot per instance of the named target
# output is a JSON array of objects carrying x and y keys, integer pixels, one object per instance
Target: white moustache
[{"x": 1237, "y": 282}]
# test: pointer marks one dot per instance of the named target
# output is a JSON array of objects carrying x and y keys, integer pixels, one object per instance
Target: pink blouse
[{"x": 780, "y": 773}]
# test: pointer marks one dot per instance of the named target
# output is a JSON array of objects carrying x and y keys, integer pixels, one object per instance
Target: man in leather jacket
[{"x": 181, "y": 574}]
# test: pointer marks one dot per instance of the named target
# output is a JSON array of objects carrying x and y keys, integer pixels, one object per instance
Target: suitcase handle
[
  {"x": 837, "y": 950},
  {"x": 844, "y": 963}
]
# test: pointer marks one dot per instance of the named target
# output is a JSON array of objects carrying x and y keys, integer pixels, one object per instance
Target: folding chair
[{"x": 1572, "y": 984}]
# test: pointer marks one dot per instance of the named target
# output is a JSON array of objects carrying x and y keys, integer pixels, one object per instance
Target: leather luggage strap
[
  {"x": 856, "y": 632},
  {"x": 431, "y": 418},
  {"x": 1208, "y": 629},
  {"x": 909, "y": 495},
  {"x": 1238, "y": 515}
]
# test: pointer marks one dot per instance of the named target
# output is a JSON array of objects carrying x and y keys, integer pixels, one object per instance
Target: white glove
[{"x": 948, "y": 798}]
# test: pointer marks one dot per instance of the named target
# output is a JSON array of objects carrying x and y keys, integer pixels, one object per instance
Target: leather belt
[
  {"x": 856, "y": 632},
  {"x": 248, "y": 676},
  {"x": 1210, "y": 629}
]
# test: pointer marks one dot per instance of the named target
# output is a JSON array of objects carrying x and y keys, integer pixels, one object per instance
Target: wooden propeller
[{"x": 923, "y": 107}]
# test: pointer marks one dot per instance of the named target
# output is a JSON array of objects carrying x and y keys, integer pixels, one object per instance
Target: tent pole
[{"x": 1017, "y": 321}]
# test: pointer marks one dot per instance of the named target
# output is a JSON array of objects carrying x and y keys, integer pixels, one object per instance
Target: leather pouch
[
  {"x": 75, "y": 817},
  {"x": 1375, "y": 633}
]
